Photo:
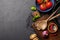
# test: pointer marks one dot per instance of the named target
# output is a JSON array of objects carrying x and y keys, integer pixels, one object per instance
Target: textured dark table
[{"x": 13, "y": 16}]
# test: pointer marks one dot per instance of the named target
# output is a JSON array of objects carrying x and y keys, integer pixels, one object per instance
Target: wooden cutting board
[{"x": 51, "y": 37}]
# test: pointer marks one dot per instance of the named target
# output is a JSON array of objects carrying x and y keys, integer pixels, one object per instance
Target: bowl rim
[{"x": 50, "y": 30}]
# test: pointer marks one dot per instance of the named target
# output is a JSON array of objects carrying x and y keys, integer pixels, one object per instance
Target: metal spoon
[{"x": 43, "y": 23}]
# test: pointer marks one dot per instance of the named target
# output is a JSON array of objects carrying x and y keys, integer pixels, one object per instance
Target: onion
[{"x": 45, "y": 33}]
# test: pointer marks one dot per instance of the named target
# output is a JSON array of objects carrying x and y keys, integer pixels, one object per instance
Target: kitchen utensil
[
  {"x": 54, "y": 17},
  {"x": 52, "y": 27},
  {"x": 57, "y": 4},
  {"x": 57, "y": 20},
  {"x": 43, "y": 23}
]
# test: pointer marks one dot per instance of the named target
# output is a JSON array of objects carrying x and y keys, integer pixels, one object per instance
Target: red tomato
[
  {"x": 49, "y": 4},
  {"x": 39, "y": 1},
  {"x": 46, "y": 0},
  {"x": 43, "y": 7}
]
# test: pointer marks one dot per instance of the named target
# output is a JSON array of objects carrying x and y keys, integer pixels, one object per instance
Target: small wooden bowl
[{"x": 54, "y": 28}]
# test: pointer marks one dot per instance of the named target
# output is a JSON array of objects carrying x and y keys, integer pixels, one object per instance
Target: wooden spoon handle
[
  {"x": 53, "y": 13},
  {"x": 54, "y": 17}
]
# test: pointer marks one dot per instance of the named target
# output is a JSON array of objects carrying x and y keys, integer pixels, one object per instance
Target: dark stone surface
[{"x": 13, "y": 16}]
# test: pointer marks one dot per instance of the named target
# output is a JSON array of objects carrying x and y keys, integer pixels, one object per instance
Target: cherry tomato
[
  {"x": 46, "y": 0},
  {"x": 43, "y": 7},
  {"x": 39, "y": 1},
  {"x": 49, "y": 4}
]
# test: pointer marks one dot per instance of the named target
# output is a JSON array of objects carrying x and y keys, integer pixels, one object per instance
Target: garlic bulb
[
  {"x": 36, "y": 38},
  {"x": 32, "y": 36}
]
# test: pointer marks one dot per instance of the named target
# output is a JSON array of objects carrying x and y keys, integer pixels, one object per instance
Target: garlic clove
[
  {"x": 32, "y": 36},
  {"x": 36, "y": 38}
]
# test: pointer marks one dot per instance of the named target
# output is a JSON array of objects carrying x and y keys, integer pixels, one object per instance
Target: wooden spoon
[
  {"x": 54, "y": 17},
  {"x": 43, "y": 23}
]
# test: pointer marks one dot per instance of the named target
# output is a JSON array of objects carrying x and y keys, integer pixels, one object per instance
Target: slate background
[
  {"x": 13, "y": 19},
  {"x": 13, "y": 16}
]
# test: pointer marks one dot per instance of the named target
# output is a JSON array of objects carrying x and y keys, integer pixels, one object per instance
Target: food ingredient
[
  {"x": 33, "y": 8},
  {"x": 39, "y": 1},
  {"x": 52, "y": 27},
  {"x": 36, "y": 38},
  {"x": 45, "y": 33},
  {"x": 43, "y": 24},
  {"x": 36, "y": 15},
  {"x": 49, "y": 4},
  {"x": 46, "y": 1},
  {"x": 32, "y": 36},
  {"x": 43, "y": 7}
]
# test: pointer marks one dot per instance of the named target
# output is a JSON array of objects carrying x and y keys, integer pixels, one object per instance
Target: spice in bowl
[{"x": 52, "y": 27}]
